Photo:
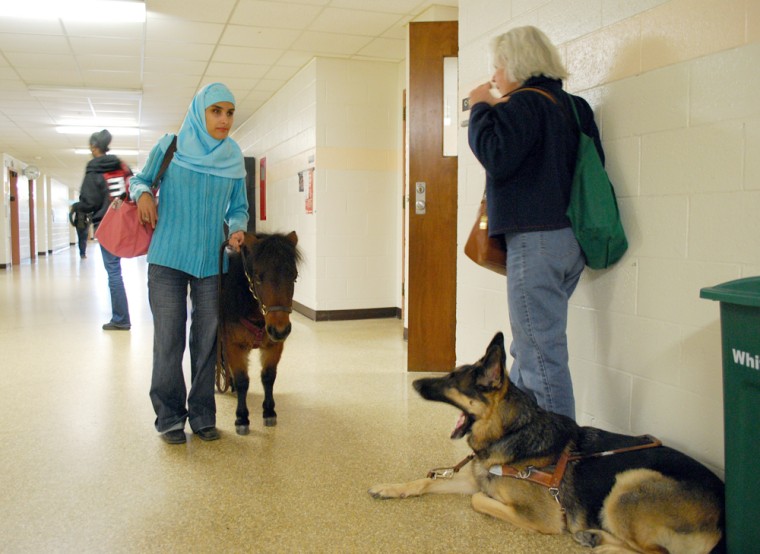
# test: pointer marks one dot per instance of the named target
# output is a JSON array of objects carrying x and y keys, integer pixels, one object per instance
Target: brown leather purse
[{"x": 485, "y": 251}]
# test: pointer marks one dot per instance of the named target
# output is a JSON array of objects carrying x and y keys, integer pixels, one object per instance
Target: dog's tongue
[{"x": 458, "y": 431}]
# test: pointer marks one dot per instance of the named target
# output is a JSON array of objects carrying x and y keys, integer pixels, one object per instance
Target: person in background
[
  {"x": 527, "y": 144},
  {"x": 202, "y": 189},
  {"x": 81, "y": 222},
  {"x": 95, "y": 196}
]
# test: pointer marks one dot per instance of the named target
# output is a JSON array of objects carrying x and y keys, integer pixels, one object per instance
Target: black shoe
[
  {"x": 177, "y": 436},
  {"x": 116, "y": 327},
  {"x": 207, "y": 434}
]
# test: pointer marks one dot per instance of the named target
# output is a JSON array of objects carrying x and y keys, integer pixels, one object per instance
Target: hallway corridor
[{"x": 83, "y": 470}]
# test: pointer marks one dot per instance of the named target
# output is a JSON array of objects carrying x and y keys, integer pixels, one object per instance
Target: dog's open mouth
[{"x": 463, "y": 426}]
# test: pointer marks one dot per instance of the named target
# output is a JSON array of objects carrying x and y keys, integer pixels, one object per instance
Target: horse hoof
[
  {"x": 270, "y": 421},
  {"x": 242, "y": 429}
]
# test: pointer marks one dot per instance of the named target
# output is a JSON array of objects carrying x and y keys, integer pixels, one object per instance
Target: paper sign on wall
[
  {"x": 263, "y": 189},
  {"x": 306, "y": 185}
]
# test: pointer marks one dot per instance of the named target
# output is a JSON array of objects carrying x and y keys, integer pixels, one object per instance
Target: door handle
[{"x": 420, "y": 189}]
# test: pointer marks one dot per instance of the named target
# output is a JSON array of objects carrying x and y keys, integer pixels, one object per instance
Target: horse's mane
[{"x": 275, "y": 248}]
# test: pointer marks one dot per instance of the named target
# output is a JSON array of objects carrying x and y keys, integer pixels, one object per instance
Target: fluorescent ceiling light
[
  {"x": 40, "y": 91},
  {"x": 89, "y": 129},
  {"x": 105, "y": 11},
  {"x": 115, "y": 152}
]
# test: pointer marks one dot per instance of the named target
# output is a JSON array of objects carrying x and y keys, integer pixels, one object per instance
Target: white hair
[{"x": 525, "y": 52}]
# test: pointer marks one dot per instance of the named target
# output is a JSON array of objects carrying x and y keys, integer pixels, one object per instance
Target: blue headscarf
[{"x": 199, "y": 151}]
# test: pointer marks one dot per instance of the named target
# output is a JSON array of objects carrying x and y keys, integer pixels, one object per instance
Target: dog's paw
[
  {"x": 588, "y": 538},
  {"x": 387, "y": 491}
]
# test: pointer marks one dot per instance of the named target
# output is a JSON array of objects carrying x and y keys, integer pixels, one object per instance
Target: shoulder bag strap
[
  {"x": 167, "y": 160},
  {"x": 554, "y": 100}
]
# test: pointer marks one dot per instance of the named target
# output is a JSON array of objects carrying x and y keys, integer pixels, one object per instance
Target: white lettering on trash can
[{"x": 746, "y": 359}]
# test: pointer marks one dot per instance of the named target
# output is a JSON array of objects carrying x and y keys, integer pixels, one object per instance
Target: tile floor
[{"x": 83, "y": 470}]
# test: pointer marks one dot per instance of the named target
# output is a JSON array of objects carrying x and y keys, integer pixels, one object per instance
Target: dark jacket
[
  {"x": 528, "y": 147},
  {"x": 93, "y": 194}
]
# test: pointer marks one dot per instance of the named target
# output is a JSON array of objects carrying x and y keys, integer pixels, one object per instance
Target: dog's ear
[{"x": 492, "y": 374}]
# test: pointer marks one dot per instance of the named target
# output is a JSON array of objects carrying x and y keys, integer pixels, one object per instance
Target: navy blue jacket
[{"x": 528, "y": 146}]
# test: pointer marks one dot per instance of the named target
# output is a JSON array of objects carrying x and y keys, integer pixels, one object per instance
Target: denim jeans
[
  {"x": 119, "y": 305},
  {"x": 543, "y": 269},
  {"x": 167, "y": 293}
]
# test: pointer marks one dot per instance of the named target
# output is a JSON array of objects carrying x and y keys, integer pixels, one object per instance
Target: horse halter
[{"x": 252, "y": 287}]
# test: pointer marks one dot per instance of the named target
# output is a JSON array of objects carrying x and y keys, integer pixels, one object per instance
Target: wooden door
[{"x": 432, "y": 229}]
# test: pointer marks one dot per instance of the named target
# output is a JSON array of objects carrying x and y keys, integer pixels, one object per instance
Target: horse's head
[{"x": 271, "y": 266}]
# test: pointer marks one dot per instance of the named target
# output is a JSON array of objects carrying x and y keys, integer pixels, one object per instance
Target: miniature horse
[{"x": 255, "y": 302}]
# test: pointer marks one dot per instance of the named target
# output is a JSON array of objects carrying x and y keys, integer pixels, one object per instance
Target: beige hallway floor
[{"x": 83, "y": 470}]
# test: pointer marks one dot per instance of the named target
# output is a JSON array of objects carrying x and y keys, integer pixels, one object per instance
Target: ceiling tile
[
  {"x": 178, "y": 50},
  {"x": 217, "y": 11},
  {"x": 33, "y": 44},
  {"x": 239, "y": 35},
  {"x": 105, "y": 30},
  {"x": 248, "y": 71},
  {"x": 390, "y": 6},
  {"x": 278, "y": 15},
  {"x": 104, "y": 46},
  {"x": 31, "y": 26},
  {"x": 239, "y": 54},
  {"x": 384, "y": 48},
  {"x": 160, "y": 28},
  {"x": 330, "y": 43},
  {"x": 334, "y": 20},
  {"x": 42, "y": 61}
]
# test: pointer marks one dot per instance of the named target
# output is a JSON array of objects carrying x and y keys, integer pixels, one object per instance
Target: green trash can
[{"x": 740, "y": 331}]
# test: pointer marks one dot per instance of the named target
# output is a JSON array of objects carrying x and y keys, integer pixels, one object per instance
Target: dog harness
[{"x": 542, "y": 476}]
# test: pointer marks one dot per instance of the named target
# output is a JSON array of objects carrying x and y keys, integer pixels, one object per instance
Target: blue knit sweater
[
  {"x": 528, "y": 147},
  {"x": 192, "y": 207}
]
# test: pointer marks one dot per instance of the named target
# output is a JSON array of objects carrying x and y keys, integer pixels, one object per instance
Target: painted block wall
[
  {"x": 58, "y": 226},
  {"x": 341, "y": 117},
  {"x": 284, "y": 132},
  {"x": 674, "y": 88}
]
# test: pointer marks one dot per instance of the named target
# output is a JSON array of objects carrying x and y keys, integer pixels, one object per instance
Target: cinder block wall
[{"x": 674, "y": 87}]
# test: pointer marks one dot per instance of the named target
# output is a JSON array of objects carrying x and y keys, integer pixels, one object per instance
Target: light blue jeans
[
  {"x": 543, "y": 269},
  {"x": 119, "y": 305},
  {"x": 167, "y": 293}
]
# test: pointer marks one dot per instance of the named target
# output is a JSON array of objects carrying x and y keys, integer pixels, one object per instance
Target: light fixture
[
  {"x": 89, "y": 129},
  {"x": 31, "y": 172},
  {"x": 106, "y": 11},
  {"x": 42, "y": 91}
]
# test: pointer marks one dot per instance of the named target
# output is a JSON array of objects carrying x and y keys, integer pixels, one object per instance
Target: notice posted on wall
[
  {"x": 263, "y": 189},
  {"x": 306, "y": 186}
]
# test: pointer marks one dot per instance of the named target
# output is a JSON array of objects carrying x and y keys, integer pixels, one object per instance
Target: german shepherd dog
[{"x": 617, "y": 494}]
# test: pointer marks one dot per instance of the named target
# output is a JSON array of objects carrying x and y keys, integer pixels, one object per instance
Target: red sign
[{"x": 263, "y": 189}]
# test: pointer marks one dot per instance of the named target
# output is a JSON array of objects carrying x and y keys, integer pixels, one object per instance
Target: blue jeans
[
  {"x": 119, "y": 305},
  {"x": 543, "y": 269},
  {"x": 167, "y": 293}
]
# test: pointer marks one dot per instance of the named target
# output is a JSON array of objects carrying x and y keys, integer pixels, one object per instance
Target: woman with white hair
[{"x": 527, "y": 142}]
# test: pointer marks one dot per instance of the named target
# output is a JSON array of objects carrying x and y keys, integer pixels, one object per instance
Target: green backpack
[{"x": 593, "y": 209}]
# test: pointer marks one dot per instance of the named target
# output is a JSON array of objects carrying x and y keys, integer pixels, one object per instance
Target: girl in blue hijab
[{"x": 202, "y": 189}]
